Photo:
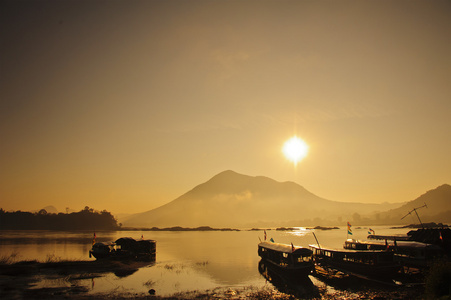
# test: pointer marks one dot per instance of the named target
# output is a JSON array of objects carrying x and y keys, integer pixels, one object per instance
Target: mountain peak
[
  {"x": 443, "y": 190},
  {"x": 230, "y": 174},
  {"x": 231, "y": 182},
  {"x": 227, "y": 174},
  {"x": 444, "y": 187},
  {"x": 225, "y": 182},
  {"x": 437, "y": 206}
]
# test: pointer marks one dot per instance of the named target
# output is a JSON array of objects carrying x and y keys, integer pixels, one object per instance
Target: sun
[{"x": 295, "y": 149}]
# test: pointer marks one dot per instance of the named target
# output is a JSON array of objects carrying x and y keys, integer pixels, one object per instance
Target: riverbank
[
  {"x": 266, "y": 293},
  {"x": 20, "y": 280}
]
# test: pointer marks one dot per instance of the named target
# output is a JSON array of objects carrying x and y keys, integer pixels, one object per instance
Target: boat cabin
[
  {"x": 410, "y": 253},
  {"x": 101, "y": 250},
  {"x": 291, "y": 258},
  {"x": 125, "y": 247},
  {"x": 365, "y": 262}
]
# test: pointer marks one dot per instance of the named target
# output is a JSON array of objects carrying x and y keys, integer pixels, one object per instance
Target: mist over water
[{"x": 185, "y": 261}]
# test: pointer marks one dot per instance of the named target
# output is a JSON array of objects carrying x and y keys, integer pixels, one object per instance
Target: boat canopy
[
  {"x": 399, "y": 237},
  {"x": 285, "y": 248},
  {"x": 347, "y": 251},
  {"x": 102, "y": 245},
  {"x": 399, "y": 244}
]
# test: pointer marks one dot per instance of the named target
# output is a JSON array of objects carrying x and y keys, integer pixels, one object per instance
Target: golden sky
[{"x": 126, "y": 105}]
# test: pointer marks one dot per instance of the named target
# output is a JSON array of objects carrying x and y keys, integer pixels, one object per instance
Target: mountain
[
  {"x": 438, "y": 210},
  {"x": 49, "y": 209},
  {"x": 230, "y": 199}
]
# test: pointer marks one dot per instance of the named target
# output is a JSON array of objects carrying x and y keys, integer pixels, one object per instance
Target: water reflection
[
  {"x": 121, "y": 273},
  {"x": 300, "y": 287},
  {"x": 335, "y": 279},
  {"x": 186, "y": 261},
  {"x": 301, "y": 231}
]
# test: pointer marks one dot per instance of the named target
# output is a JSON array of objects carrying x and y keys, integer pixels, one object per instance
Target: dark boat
[
  {"x": 299, "y": 287},
  {"x": 430, "y": 233},
  {"x": 125, "y": 248},
  {"x": 361, "y": 263},
  {"x": 101, "y": 250},
  {"x": 292, "y": 260},
  {"x": 440, "y": 237},
  {"x": 408, "y": 253}
]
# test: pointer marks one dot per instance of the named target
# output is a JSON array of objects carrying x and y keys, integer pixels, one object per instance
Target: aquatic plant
[
  {"x": 52, "y": 258},
  {"x": 149, "y": 283}
]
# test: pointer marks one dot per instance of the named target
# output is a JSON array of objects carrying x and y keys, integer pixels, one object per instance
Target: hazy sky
[{"x": 126, "y": 105}]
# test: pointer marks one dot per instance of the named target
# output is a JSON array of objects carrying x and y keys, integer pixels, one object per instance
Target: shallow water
[{"x": 185, "y": 261}]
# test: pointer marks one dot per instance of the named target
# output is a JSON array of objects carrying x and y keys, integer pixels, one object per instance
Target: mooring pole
[
  {"x": 316, "y": 239},
  {"x": 422, "y": 226}
]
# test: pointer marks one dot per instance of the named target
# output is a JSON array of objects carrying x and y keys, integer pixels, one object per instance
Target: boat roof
[
  {"x": 316, "y": 246},
  {"x": 397, "y": 237},
  {"x": 125, "y": 240},
  {"x": 285, "y": 248},
  {"x": 400, "y": 244},
  {"x": 102, "y": 244}
]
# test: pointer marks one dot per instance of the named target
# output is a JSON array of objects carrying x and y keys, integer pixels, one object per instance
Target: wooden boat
[
  {"x": 365, "y": 263},
  {"x": 408, "y": 253},
  {"x": 293, "y": 260},
  {"x": 301, "y": 287},
  {"x": 440, "y": 237},
  {"x": 125, "y": 248}
]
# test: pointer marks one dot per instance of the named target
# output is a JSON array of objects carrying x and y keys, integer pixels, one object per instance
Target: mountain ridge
[
  {"x": 438, "y": 206},
  {"x": 230, "y": 199}
]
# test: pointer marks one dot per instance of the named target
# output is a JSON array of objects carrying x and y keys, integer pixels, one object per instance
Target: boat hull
[
  {"x": 361, "y": 269},
  {"x": 125, "y": 248},
  {"x": 295, "y": 271}
]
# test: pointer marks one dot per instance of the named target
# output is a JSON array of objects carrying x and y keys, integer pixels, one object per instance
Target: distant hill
[
  {"x": 49, "y": 209},
  {"x": 53, "y": 210},
  {"x": 438, "y": 208},
  {"x": 230, "y": 199}
]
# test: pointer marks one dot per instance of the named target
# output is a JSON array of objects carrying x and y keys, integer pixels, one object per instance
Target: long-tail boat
[
  {"x": 367, "y": 263},
  {"x": 408, "y": 253},
  {"x": 293, "y": 260},
  {"x": 125, "y": 248}
]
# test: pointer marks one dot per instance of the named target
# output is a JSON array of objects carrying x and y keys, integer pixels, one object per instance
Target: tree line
[{"x": 86, "y": 219}]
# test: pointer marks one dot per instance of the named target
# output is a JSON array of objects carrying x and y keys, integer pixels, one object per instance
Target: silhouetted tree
[{"x": 86, "y": 219}]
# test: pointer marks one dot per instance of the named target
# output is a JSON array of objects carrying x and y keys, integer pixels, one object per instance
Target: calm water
[{"x": 185, "y": 261}]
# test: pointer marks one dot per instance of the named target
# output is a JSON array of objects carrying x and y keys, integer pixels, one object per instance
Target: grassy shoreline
[{"x": 18, "y": 281}]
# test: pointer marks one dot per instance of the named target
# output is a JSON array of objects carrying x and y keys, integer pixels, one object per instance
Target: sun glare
[{"x": 295, "y": 149}]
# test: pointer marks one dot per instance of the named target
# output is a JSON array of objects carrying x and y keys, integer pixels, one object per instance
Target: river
[{"x": 185, "y": 261}]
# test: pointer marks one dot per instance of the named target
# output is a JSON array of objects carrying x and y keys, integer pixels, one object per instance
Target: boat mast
[{"x": 415, "y": 210}]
